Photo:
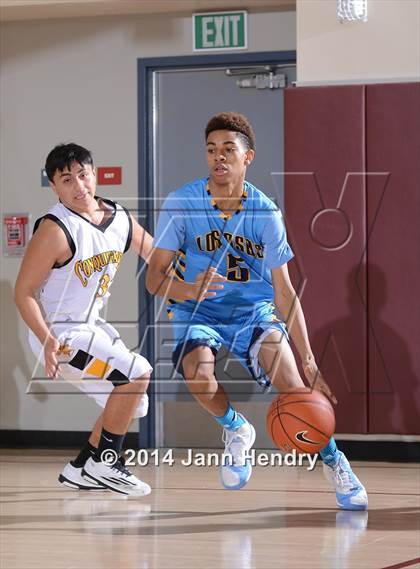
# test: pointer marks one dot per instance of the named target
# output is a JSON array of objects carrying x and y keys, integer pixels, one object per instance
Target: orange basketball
[{"x": 301, "y": 419}]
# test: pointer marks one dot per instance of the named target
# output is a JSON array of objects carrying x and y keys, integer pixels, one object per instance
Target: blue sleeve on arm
[
  {"x": 277, "y": 249},
  {"x": 170, "y": 230}
]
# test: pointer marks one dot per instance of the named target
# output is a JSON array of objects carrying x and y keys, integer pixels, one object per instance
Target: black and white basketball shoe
[
  {"x": 72, "y": 477},
  {"x": 115, "y": 477}
]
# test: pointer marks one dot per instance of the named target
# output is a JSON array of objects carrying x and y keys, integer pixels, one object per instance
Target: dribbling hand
[{"x": 316, "y": 380}]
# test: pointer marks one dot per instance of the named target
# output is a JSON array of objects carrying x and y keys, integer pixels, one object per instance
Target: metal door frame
[{"x": 145, "y": 70}]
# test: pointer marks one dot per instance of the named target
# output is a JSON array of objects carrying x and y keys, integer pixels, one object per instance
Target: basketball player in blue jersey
[
  {"x": 63, "y": 283},
  {"x": 226, "y": 244}
]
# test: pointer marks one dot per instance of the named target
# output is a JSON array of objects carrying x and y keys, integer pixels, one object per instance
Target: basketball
[{"x": 302, "y": 419}]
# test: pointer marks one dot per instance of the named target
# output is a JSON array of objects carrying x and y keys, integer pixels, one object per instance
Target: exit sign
[{"x": 220, "y": 31}]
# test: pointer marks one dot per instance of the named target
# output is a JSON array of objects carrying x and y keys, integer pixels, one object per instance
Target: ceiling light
[{"x": 350, "y": 10}]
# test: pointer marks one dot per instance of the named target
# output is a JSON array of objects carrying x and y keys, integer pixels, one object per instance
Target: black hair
[
  {"x": 234, "y": 122},
  {"x": 63, "y": 155}
]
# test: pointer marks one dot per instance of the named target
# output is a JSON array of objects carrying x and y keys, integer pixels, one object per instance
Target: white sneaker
[
  {"x": 236, "y": 468},
  {"x": 350, "y": 492},
  {"x": 73, "y": 478},
  {"x": 116, "y": 477}
]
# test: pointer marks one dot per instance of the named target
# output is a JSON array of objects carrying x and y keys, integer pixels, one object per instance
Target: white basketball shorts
[{"x": 95, "y": 360}]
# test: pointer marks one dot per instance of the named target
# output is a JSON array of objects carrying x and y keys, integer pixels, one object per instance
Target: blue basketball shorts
[{"x": 243, "y": 337}]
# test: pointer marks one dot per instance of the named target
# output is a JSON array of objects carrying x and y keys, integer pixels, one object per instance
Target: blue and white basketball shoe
[
  {"x": 236, "y": 468},
  {"x": 350, "y": 492}
]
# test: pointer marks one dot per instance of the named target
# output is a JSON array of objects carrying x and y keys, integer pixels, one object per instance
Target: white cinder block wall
[{"x": 76, "y": 80}]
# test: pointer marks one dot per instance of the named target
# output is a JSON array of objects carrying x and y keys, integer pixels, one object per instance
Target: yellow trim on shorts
[{"x": 98, "y": 368}]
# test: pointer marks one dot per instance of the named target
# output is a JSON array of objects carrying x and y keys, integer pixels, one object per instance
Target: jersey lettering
[
  {"x": 212, "y": 241},
  {"x": 85, "y": 269}
]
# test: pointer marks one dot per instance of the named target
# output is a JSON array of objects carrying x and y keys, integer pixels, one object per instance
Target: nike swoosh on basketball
[{"x": 300, "y": 436}]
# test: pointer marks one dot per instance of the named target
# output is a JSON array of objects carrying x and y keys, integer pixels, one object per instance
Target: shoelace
[
  {"x": 344, "y": 478},
  {"x": 119, "y": 467},
  {"x": 235, "y": 443}
]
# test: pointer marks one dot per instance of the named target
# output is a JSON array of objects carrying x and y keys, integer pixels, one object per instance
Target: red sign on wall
[
  {"x": 15, "y": 233},
  {"x": 109, "y": 175}
]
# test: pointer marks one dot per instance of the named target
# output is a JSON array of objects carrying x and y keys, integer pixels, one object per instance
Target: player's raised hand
[
  {"x": 316, "y": 379},
  {"x": 207, "y": 283},
  {"x": 51, "y": 350}
]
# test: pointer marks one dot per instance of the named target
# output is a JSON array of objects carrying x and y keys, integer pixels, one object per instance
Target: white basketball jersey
[{"x": 78, "y": 289}]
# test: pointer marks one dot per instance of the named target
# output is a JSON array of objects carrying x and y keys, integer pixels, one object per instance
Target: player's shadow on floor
[
  {"x": 154, "y": 523},
  {"x": 387, "y": 519}
]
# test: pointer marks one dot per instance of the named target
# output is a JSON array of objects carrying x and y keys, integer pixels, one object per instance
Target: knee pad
[
  {"x": 139, "y": 367},
  {"x": 142, "y": 407}
]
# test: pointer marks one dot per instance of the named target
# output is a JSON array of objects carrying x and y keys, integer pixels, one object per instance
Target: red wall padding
[
  {"x": 360, "y": 296},
  {"x": 393, "y": 146},
  {"x": 325, "y": 219}
]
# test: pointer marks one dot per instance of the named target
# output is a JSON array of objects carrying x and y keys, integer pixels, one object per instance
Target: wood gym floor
[{"x": 284, "y": 518}]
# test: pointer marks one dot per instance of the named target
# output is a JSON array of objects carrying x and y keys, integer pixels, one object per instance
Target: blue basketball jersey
[{"x": 244, "y": 247}]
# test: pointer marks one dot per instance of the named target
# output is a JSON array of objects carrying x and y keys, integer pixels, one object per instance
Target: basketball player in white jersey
[{"x": 63, "y": 283}]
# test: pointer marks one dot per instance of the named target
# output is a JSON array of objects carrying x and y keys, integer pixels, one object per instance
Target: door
[{"x": 183, "y": 100}]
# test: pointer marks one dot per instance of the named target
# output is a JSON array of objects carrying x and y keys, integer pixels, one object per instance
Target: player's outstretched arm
[
  {"x": 161, "y": 281},
  {"x": 288, "y": 303},
  {"x": 141, "y": 241},
  {"x": 47, "y": 247}
]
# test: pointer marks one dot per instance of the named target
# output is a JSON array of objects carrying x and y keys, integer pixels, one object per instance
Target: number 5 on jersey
[{"x": 236, "y": 273}]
